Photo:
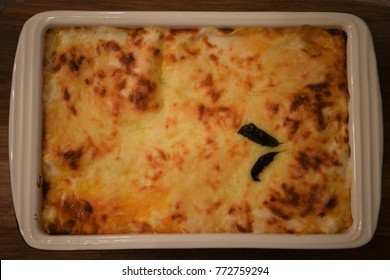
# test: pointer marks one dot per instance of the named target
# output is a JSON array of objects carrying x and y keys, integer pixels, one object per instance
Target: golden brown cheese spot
[
  {"x": 101, "y": 74},
  {"x": 337, "y": 33},
  {"x": 221, "y": 116},
  {"x": 63, "y": 58},
  {"x": 66, "y": 95},
  {"x": 128, "y": 61},
  {"x": 184, "y": 31},
  {"x": 156, "y": 52},
  {"x": 291, "y": 196},
  {"x": 295, "y": 201},
  {"x": 319, "y": 114},
  {"x": 57, "y": 68},
  {"x": 170, "y": 122},
  {"x": 171, "y": 58},
  {"x": 192, "y": 52},
  {"x": 76, "y": 64},
  {"x": 208, "y": 44},
  {"x": 248, "y": 84},
  {"x": 342, "y": 86},
  {"x": 77, "y": 218},
  {"x": 178, "y": 214},
  {"x": 208, "y": 81},
  {"x": 72, "y": 158},
  {"x": 214, "y": 58},
  {"x": 137, "y": 33},
  {"x": 57, "y": 228},
  {"x": 214, "y": 206},
  {"x": 138, "y": 36},
  {"x": 243, "y": 213},
  {"x": 45, "y": 189},
  {"x": 158, "y": 162},
  {"x": 73, "y": 57},
  {"x": 208, "y": 84},
  {"x": 109, "y": 46},
  {"x": 318, "y": 88},
  {"x": 88, "y": 207},
  {"x": 144, "y": 227},
  {"x": 226, "y": 31},
  {"x": 299, "y": 101},
  {"x": 121, "y": 85},
  {"x": 73, "y": 110},
  {"x": 249, "y": 218},
  {"x": 339, "y": 117},
  {"x": 346, "y": 138},
  {"x": 279, "y": 212},
  {"x": 330, "y": 206},
  {"x": 170, "y": 37},
  {"x": 214, "y": 95},
  {"x": 101, "y": 91},
  {"x": 306, "y": 104},
  {"x": 331, "y": 203},
  {"x": 104, "y": 218},
  {"x": 178, "y": 217},
  {"x": 272, "y": 107},
  {"x": 273, "y": 222},
  {"x": 293, "y": 126},
  {"x": 79, "y": 212},
  {"x": 309, "y": 161},
  {"x": 142, "y": 93}
]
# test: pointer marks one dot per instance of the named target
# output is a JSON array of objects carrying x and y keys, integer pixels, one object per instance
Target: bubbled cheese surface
[{"x": 140, "y": 130}]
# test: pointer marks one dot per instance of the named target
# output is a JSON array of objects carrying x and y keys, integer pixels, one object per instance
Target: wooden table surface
[{"x": 13, "y": 14}]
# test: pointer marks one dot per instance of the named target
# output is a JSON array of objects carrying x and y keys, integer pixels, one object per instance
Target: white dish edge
[{"x": 366, "y": 130}]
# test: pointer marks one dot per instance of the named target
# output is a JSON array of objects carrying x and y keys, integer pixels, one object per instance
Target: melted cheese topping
[{"x": 140, "y": 130}]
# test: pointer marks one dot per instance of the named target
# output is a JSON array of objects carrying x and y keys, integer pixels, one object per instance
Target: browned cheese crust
[{"x": 141, "y": 130}]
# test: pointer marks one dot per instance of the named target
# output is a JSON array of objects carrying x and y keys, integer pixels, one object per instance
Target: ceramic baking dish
[{"x": 25, "y": 130}]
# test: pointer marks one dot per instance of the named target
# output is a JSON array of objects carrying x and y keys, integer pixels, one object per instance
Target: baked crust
[{"x": 141, "y": 130}]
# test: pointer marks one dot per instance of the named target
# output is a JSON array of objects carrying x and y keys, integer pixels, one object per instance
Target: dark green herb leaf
[
  {"x": 255, "y": 134},
  {"x": 262, "y": 163}
]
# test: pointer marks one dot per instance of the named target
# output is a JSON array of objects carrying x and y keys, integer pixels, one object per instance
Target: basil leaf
[{"x": 255, "y": 134}]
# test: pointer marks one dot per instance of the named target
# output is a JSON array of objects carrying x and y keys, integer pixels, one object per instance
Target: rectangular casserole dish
[{"x": 365, "y": 123}]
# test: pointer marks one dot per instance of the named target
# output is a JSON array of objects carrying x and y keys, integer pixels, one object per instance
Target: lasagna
[{"x": 206, "y": 130}]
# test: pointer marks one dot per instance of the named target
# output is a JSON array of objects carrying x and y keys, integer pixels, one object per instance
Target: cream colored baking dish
[{"x": 25, "y": 130}]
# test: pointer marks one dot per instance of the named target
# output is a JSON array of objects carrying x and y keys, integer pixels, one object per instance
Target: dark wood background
[{"x": 13, "y": 14}]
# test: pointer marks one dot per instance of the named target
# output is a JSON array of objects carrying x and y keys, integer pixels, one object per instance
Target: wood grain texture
[{"x": 13, "y": 14}]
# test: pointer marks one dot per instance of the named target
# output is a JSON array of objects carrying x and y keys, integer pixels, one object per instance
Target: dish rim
[{"x": 366, "y": 130}]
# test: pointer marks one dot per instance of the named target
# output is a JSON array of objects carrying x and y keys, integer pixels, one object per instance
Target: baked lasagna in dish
[{"x": 206, "y": 130}]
